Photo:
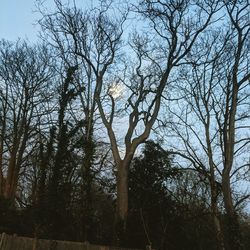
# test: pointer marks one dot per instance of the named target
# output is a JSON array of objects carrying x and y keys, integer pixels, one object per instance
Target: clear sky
[{"x": 17, "y": 19}]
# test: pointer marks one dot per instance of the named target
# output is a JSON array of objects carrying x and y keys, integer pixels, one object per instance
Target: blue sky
[{"x": 17, "y": 19}]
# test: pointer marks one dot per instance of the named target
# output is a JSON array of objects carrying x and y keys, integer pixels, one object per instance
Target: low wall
[{"x": 12, "y": 242}]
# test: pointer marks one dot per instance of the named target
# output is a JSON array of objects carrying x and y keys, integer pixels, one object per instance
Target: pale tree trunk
[
  {"x": 238, "y": 76},
  {"x": 122, "y": 192},
  {"x": 14, "y": 166},
  {"x": 232, "y": 222},
  {"x": 10, "y": 176},
  {"x": 213, "y": 185},
  {"x": 234, "y": 238},
  {"x": 11, "y": 165},
  {"x": 216, "y": 219},
  {"x": 122, "y": 201}
]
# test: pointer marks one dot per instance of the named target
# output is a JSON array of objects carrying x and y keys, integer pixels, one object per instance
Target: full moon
[{"x": 116, "y": 90}]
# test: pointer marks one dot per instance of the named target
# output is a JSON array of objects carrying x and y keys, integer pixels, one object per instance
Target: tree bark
[
  {"x": 87, "y": 176},
  {"x": 2, "y": 134},
  {"x": 216, "y": 220},
  {"x": 234, "y": 238},
  {"x": 122, "y": 193},
  {"x": 213, "y": 185},
  {"x": 122, "y": 203},
  {"x": 10, "y": 175}
]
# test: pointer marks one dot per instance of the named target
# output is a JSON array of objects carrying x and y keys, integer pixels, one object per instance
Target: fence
[{"x": 12, "y": 242}]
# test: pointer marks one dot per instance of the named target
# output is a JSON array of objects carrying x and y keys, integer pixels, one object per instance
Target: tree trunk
[
  {"x": 214, "y": 188},
  {"x": 234, "y": 239},
  {"x": 8, "y": 195},
  {"x": 87, "y": 176},
  {"x": 122, "y": 193},
  {"x": 215, "y": 212},
  {"x": 122, "y": 202},
  {"x": 2, "y": 134},
  {"x": 216, "y": 221},
  {"x": 1, "y": 171}
]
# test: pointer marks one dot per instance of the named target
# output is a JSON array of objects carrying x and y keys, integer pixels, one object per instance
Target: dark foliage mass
[
  {"x": 163, "y": 212},
  {"x": 125, "y": 137}
]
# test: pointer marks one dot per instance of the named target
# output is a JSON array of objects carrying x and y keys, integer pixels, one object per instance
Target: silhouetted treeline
[{"x": 168, "y": 208}]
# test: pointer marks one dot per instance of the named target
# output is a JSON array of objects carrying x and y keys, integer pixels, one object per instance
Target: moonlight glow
[{"x": 116, "y": 90}]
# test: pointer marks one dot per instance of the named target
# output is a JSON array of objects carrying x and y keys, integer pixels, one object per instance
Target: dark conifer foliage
[{"x": 157, "y": 216}]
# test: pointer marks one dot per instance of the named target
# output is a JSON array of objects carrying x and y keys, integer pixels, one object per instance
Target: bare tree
[
  {"x": 96, "y": 39},
  {"x": 151, "y": 75},
  {"x": 213, "y": 122},
  {"x": 24, "y": 77},
  {"x": 235, "y": 118},
  {"x": 193, "y": 125}
]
